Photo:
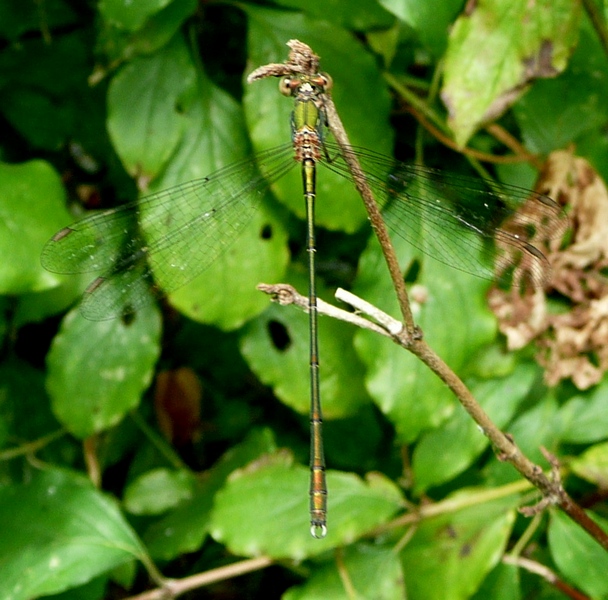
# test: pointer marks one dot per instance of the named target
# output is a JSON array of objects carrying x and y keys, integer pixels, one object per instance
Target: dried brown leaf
[{"x": 574, "y": 343}]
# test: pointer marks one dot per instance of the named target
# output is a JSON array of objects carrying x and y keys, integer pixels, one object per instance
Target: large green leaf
[
  {"x": 58, "y": 532},
  {"x": 98, "y": 370},
  {"x": 451, "y": 313},
  {"x": 449, "y": 556},
  {"x": 583, "y": 418},
  {"x": 263, "y": 509},
  {"x": 145, "y": 104},
  {"x": 242, "y": 247},
  {"x": 549, "y": 114},
  {"x": 496, "y": 49},
  {"x": 276, "y": 345},
  {"x": 448, "y": 450}
]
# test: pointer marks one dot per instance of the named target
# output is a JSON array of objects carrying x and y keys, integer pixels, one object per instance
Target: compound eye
[
  {"x": 328, "y": 82},
  {"x": 285, "y": 86}
]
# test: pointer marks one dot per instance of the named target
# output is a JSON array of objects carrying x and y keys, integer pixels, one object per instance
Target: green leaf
[
  {"x": 263, "y": 509},
  {"x": 157, "y": 491},
  {"x": 431, "y": 19},
  {"x": 119, "y": 45},
  {"x": 17, "y": 18},
  {"x": 583, "y": 419},
  {"x": 549, "y": 114},
  {"x": 32, "y": 202},
  {"x": 51, "y": 524},
  {"x": 592, "y": 465},
  {"x": 374, "y": 572},
  {"x": 531, "y": 430},
  {"x": 45, "y": 96},
  {"x": 24, "y": 404},
  {"x": 130, "y": 15},
  {"x": 276, "y": 347},
  {"x": 503, "y": 583},
  {"x": 365, "y": 114},
  {"x": 145, "y": 104},
  {"x": 578, "y": 556},
  {"x": 97, "y": 370},
  {"x": 496, "y": 50},
  {"x": 448, "y": 450},
  {"x": 363, "y": 15},
  {"x": 411, "y": 396},
  {"x": 183, "y": 530},
  {"x": 225, "y": 293},
  {"x": 449, "y": 556}
]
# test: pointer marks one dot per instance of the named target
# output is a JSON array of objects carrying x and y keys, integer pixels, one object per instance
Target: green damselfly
[{"x": 155, "y": 244}]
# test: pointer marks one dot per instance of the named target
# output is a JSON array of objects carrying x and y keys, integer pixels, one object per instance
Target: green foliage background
[{"x": 102, "y": 101}]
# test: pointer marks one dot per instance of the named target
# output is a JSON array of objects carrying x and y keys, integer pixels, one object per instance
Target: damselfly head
[{"x": 313, "y": 84}]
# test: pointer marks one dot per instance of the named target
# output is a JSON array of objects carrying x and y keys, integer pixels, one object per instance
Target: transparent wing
[
  {"x": 164, "y": 240},
  {"x": 474, "y": 225}
]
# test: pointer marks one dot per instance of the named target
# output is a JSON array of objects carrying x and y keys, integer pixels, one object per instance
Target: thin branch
[
  {"x": 547, "y": 574},
  {"x": 33, "y": 446},
  {"x": 284, "y": 294},
  {"x": 172, "y": 588},
  {"x": 375, "y": 218}
]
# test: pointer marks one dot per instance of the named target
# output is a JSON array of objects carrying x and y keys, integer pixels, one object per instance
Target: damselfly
[{"x": 155, "y": 244}]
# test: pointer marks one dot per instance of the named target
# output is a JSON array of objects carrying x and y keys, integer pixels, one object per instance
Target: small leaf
[
  {"x": 157, "y": 491},
  {"x": 503, "y": 583},
  {"x": 363, "y": 15},
  {"x": 583, "y": 419},
  {"x": 183, "y": 530},
  {"x": 592, "y": 465},
  {"x": 120, "y": 45},
  {"x": 97, "y": 370},
  {"x": 263, "y": 509},
  {"x": 32, "y": 208},
  {"x": 59, "y": 532}
]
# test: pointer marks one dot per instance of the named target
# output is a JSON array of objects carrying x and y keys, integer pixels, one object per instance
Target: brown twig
[
  {"x": 172, "y": 588},
  {"x": 547, "y": 574}
]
